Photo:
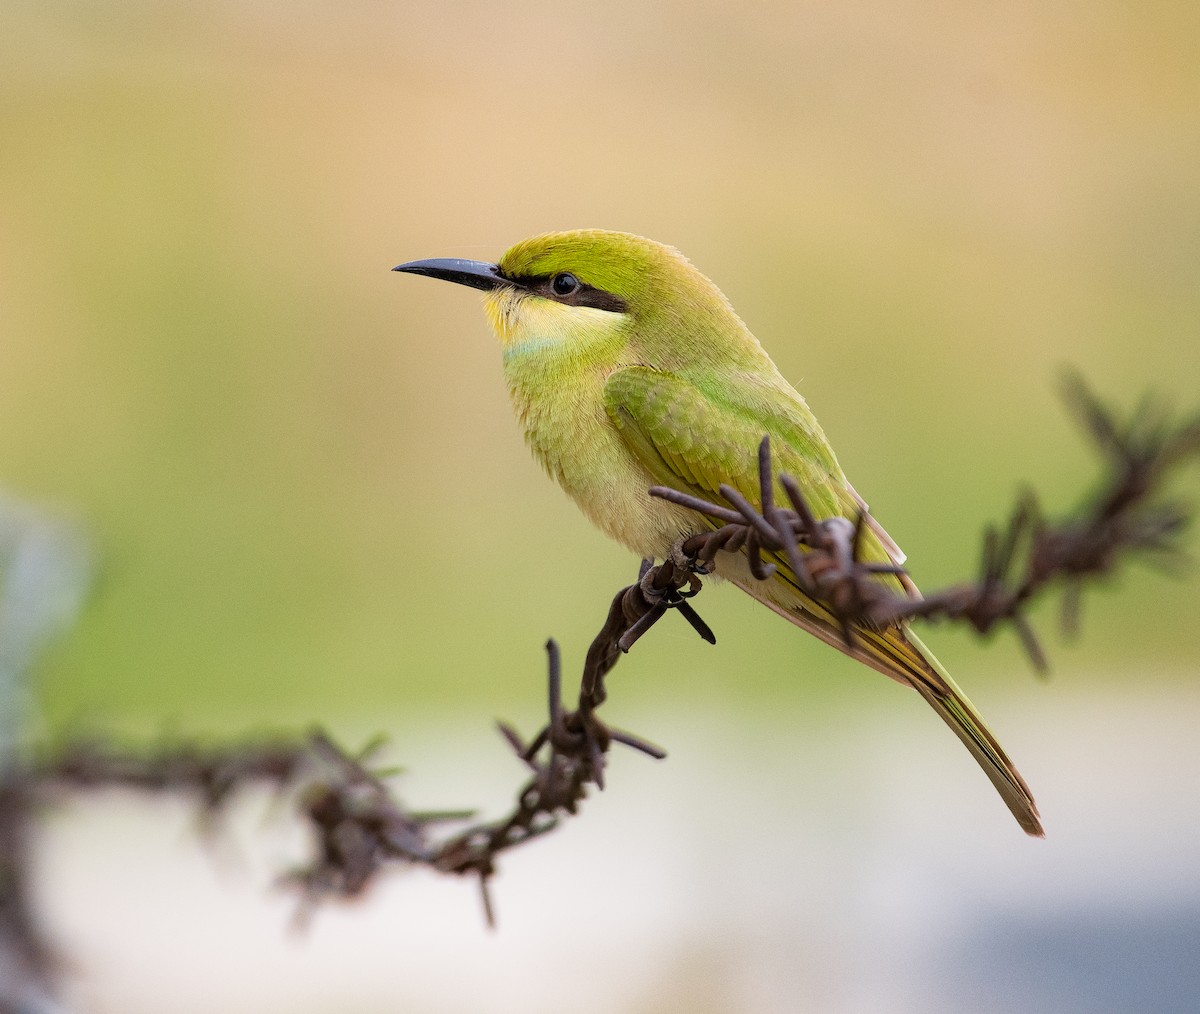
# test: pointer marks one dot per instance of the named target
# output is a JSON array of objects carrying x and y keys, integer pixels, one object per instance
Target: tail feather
[{"x": 957, "y": 712}]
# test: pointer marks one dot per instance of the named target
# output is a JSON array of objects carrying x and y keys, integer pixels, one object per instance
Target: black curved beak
[{"x": 476, "y": 274}]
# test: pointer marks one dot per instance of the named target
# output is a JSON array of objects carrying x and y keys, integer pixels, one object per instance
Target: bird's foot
[
  {"x": 685, "y": 558},
  {"x": 666, "y": 586}
]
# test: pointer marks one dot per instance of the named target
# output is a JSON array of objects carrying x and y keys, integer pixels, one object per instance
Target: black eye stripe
[
  {"x": 597, "y": 298},
  {"x": 577, "y": 294}
]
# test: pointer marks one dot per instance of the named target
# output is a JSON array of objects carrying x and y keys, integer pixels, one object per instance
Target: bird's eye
[{"x": 564, "y": 283}]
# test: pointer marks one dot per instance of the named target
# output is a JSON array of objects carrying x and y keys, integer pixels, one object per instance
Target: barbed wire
[
  {"x": 1028, "y": 556},
  {"x": 360, "y": 827}
]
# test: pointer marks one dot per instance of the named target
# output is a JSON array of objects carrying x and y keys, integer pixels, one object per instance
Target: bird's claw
[{"x": 681, "y": 560}]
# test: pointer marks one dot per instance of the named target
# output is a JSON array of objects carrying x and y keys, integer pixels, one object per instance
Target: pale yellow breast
[
  {"x": 557, "y": 360},
  {"x": 573, "y": 437}
]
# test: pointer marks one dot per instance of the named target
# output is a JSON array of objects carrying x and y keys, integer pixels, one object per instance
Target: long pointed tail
[
  {"x": 899, "y": 653},
  {"x": 958, "y": 713}
]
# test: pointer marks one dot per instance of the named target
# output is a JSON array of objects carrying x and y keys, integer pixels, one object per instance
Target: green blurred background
[{"x": 305, "y": 490}]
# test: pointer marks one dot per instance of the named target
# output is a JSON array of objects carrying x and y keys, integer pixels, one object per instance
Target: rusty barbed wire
[
  {"x": 363, "y": 831},
  {"x": 359, "y": 825},
  {"x": 1019, "y": 562}
]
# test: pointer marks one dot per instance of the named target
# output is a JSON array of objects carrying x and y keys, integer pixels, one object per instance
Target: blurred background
[{"x": 303, "y": 496}]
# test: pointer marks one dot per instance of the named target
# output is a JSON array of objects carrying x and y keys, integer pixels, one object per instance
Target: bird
[{"x": 628, "y": 368}]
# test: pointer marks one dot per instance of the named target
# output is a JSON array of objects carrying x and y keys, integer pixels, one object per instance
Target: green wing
[{"x": 694, "y": 438}]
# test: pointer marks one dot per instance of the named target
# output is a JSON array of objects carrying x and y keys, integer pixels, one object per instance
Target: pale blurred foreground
[{"x": 805, "y": 863}]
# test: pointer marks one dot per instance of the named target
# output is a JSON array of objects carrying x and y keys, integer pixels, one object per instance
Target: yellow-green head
[{"x": 601, "y": 292}]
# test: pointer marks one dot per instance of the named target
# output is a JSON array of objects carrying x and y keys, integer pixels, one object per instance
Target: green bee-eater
[{"x": 628, "y": 368}]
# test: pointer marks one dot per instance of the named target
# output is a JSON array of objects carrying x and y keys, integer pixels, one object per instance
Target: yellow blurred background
[{"x": 308, "y": 500}]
